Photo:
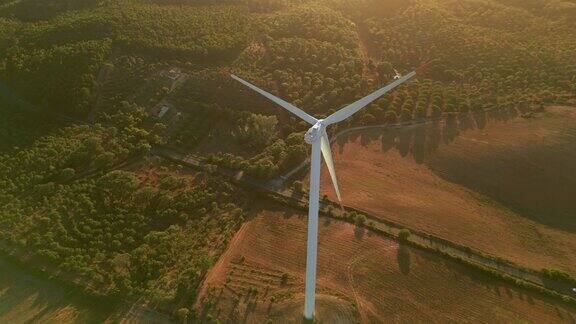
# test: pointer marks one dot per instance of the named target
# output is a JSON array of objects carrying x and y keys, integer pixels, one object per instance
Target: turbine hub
[{"x": 315, "y": 132}]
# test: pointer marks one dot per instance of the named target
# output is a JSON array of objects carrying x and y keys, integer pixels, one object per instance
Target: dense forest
[
  {"x": 83, "y": 193},
  {"x": 120, "y": 231}
]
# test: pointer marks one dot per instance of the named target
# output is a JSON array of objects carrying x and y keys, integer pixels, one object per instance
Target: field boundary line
[{"x": 491, "y": 265}]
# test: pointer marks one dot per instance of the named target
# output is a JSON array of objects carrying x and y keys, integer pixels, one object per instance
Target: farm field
[
  {"x": 534, "y": 161},
  {"x": 499, "y": 183},
  {"x": 26, "y": 298},
  {"x": 131, "y": 159},
  {"x": 361, "y": 277}
]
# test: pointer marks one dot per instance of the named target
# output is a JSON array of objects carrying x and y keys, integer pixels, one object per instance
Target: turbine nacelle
[
  {"x": 315, "y": 132},
  {"x": 317, "y": 137}
]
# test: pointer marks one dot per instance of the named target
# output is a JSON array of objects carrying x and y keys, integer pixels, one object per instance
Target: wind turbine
[{"x": 317, "y": 137}]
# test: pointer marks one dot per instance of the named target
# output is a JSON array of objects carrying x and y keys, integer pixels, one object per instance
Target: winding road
[{"x": 275, "y": 188}]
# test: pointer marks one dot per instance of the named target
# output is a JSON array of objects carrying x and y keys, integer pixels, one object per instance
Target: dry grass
[
  {"x": 28, "y": 299},
  {"x": 527, "y": 165},
  {"x": 360, "y": 276},
  {"x": 499, "y": 184}
]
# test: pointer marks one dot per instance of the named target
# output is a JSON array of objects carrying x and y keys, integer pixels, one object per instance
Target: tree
[
  {"x": 66, "y": 174},
  {"x": 403, "y": 235},
  {"x": 257, "y": 131},
  {"x": 183, "y": 314},
  {"x": 284, "y": 279},
  {"x": 360, "y": 220},
  {"x": 406, "y": 115},
  {"x": 298, "y": 186},
  {"x": 384, "y": 70},
  {"x": 368, "y": 119},
  {"x": 391, "y": 117}
]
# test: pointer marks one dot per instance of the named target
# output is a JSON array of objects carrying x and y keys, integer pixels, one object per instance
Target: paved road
[
  {"x": 386, "y": 226},
  {"x": 281, "y": 180},
  {"x": 275, "y": 187}
]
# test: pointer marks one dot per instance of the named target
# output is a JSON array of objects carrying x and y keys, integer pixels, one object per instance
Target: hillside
[
  {"x": 361, "y": 276},
  {"x": 26, "y": 298},
  {"x": 104, "y": 61},
  {"x": 82, "y": 203},
  {"x": 92, "y": 90},
  {"x": 508, "y": 178}
]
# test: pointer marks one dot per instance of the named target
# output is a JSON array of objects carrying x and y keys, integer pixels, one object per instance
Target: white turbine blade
[
  {"x": 312, "y": 244},
  {"x": 286, "y": 105},
  {"x": 327, "y": 154},
  {"x": 354, "y": 107}
]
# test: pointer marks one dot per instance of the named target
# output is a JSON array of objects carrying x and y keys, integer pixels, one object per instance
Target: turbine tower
[{"x": 317, "y": 137}]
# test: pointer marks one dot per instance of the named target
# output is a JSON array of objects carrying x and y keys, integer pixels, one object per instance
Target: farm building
[{"x": 161, "y": 110}]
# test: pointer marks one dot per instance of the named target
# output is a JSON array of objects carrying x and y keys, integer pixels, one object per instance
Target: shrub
[
  {"x": 360, "y": 219},
  {"x": 403, "y": 235},
  {"x": 284, "y": 278},
  {"x": 298, "y": 186},
  {"x": 66, "y": 174},
  {"x": 558, "y": 275},
  {"x": 183, "y": 314},
  {"x": 330, "y": 211}
]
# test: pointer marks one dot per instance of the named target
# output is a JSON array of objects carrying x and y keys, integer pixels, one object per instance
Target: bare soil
[
  {"x": 361, "y": 277},
  {"x": 498, "y": 182}
]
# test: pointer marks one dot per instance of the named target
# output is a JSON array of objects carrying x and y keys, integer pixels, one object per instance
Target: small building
[
  {"x": 161, "y": 110},
  {"x": 173, "y": 73}
]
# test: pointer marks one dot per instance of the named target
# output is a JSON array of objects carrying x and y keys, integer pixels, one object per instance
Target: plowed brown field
[
  {"x": 499, "y": 183},
  {"x": 361, "y": 276}
]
